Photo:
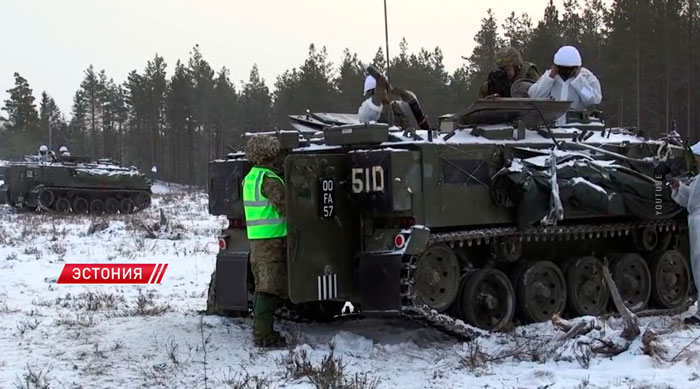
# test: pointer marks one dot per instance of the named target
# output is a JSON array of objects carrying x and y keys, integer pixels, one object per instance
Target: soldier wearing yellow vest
[{"x": 265, "y": 211}]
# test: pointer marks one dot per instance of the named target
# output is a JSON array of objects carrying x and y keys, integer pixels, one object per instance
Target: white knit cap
[
  {"x": 567, "y": 56},
  {"x": 696, "y": 148},
  {"x": 370, "y": 83}
]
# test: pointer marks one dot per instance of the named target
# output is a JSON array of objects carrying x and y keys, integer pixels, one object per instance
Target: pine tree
[
  {"x": 483, "y": 57},
  {"x": 52, "y": 122},
  {"x": 349, "y": 83},
  {"x": 23, "y": 128},
  {"x": 517, "y": 31},
  {"x": 379, "y": 60},
  {"x": 203, "y": 81},
  {"x": 77, "y": 130},
  {"x": 309, "y": 88},
  {"x": 546, "y": 38},
  {"x": 92, "y": 93},
  {"x": 256, "y": 104},
  {"x": 225, "y": 113},
  {"x": 180, "y": 117}
]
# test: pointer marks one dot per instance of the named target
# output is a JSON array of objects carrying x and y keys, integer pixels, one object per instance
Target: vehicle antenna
[{"x": 386, "y": 36}]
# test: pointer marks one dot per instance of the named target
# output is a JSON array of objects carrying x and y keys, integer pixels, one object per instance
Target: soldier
[
  {"x": 265, "y": 211},
  {"x": 395, "y": 109},
  {"x": 688, "y": 196},
  {"x": 567, "y": 80},
  {"x": 375, "y": 97},
  {"x": 509, "y": 68},
  {"x": 44, "y": 154}
]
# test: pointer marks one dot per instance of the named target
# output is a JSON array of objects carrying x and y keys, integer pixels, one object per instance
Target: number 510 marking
[{"x": 370, "y": 179}]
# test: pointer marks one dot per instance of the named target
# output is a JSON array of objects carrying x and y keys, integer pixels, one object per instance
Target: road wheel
[
  {"x": 62, "y": 205},
  {"x": 633, "y": 280},
  {"x": 670, "y": 279},
  {"x": 541, "y": 291},
  {"x": 142, "y": 201},
  {"x": 437, "y": 277},
  {"x": 97, "y": 207},
  {"x": 80, "y": 205},
  {"x": 126, "y": 205},
  {"x": 586, "y": 289},
  {"x": 46, "y": 198},
  {"x": 111, "y": 206},
  {"x": 488, "y": 300}
]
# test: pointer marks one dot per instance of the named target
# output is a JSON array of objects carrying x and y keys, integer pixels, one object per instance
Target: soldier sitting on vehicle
[
  {"x": 265, "y": 213},
  {"x": 509, "y": 69}
]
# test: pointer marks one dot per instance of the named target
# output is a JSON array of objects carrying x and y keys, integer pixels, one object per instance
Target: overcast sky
[{"x": 52, "y": 42}]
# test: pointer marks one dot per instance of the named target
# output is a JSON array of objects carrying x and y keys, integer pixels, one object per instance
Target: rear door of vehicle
[{"x": 324, "y": 229}]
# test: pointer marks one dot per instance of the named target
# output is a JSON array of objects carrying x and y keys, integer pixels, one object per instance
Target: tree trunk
[
  {"x": 639, "y": 70},
  {"x": 691, "y": 10},
  {"x": 668, "y": 69}
]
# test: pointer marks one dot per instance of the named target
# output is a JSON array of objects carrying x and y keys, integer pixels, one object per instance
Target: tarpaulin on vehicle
[{"x": 589, "y": 186}]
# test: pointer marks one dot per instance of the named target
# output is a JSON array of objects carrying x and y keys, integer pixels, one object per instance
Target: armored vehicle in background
[
  {"x": 75, "y": 184},
  {"x": 492, "y": 218}
]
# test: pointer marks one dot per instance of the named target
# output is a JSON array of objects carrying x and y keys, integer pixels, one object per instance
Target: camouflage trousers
[{"x": 269, "y": 265}]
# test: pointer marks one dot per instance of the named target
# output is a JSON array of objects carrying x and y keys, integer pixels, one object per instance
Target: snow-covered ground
[{"x": 154, "y": 336}]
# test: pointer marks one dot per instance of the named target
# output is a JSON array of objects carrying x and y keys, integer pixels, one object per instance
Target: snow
[
  {"x": 580, "y": 180},
  {"x": 84, "y": 344}
]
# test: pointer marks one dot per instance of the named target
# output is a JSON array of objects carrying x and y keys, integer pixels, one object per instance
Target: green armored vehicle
[
  {"x": 494, "y": 217},
  {"x": 75, "y": 184}
]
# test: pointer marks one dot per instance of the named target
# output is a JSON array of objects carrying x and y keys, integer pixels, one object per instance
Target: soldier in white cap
[
  {"x": 688, "y": 196},
  {"x": 375, "y": 96},
  {"x": 567, "y": 80}
]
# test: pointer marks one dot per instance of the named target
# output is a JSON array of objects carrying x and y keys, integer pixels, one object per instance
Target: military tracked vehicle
[
  {"x": 75, "y": 184},
  {"x": 494, "y": 218}
]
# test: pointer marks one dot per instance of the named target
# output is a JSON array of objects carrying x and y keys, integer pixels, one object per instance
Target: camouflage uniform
[
  {"x": 268, "y": 256},
  {"x": 523, "y": 70}
]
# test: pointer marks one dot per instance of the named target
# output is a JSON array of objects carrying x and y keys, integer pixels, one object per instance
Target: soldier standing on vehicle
[
  {"x": 384, "y": 103},
  {"x": 509, "y": 68},
  {"x": 265, "y": 213},
  {"x": 688, "y": 196},
  {"x": 568, "y": 81}
]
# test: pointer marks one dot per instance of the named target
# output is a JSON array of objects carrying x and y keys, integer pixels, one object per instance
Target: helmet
[
  {"x": 262, "y": 148},
  {"x": 508, "y": 56},
  {"x": 370, "y": 83},
  {"x": 43, "y": 149},
  {"x": 63, "y": 149},
  {"x": 521, "y": 87},
  {"x": 567, "y": 56}
]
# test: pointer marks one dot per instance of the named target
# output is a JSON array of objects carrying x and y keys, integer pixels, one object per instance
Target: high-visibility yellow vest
[{"x": 263, "y": 220}]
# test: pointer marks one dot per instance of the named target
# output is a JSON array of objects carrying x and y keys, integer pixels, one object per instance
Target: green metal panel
[{"x": 320, "y": 244}]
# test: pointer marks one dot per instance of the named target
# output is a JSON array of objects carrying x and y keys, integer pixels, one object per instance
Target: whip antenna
[{"x": 386, "y": 35}]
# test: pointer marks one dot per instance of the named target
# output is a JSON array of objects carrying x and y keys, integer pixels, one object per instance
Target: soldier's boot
[{"x": 264, "y": 334}]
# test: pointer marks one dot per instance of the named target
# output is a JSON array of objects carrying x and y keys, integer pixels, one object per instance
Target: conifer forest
[{"x": 178, "y": 116}]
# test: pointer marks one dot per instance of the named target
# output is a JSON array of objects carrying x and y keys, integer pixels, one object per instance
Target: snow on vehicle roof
[{"x": 583, "y": 181}]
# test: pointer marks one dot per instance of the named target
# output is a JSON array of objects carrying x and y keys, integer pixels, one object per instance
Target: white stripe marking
[
  {"x": 155, "y": 270},
  {"x": 160, "y": 273},
  {"x": 335, "y": 285},
  {"x": 319, "y": 288}
]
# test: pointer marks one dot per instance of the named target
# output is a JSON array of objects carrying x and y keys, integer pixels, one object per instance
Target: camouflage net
[
  {"x": 262, "y": 148},
  {"x": 508, "y": 56}
]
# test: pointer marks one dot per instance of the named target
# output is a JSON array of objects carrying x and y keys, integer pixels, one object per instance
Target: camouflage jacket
[{"x": 527, "y": 70}]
